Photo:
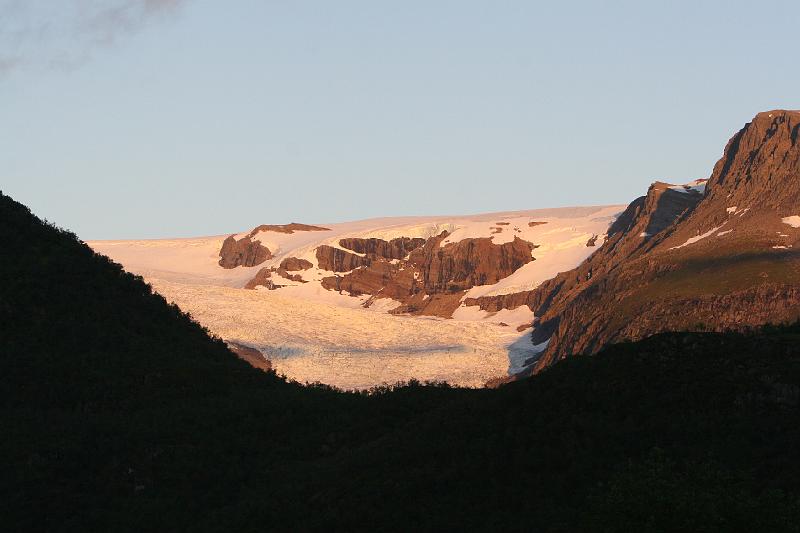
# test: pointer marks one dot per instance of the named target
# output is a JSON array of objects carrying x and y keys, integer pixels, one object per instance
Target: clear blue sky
[{"x": 155, "y": 118}]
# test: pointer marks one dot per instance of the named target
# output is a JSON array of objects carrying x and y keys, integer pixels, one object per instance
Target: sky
[{"x": 169, "y": 118}]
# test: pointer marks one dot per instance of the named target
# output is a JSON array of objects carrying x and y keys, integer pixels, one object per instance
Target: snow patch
[
  {"x": 518, "y": 316},
  {"x": 698, "y": 186},
  {"x": 522, "y": 353},
  {"x": 693, "y": 240},
  {"x": 793, "y": 221}
]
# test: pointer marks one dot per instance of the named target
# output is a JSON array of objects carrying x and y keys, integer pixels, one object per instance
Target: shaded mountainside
[
  {"x": 680, "y": 260},
  {"x": 120, "y": 413}
]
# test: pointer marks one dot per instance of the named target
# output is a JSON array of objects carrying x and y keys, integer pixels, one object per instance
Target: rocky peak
[
  {"x": 663, "y": 204},
  {"x": 679, "y": 258},
  {"x": 761, "y": 162}
]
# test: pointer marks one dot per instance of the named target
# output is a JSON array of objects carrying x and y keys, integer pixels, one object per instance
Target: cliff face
[
  {"x": 394, "y": 249},
  {"x": 244, "y": 252},
  {"x": 428, "y": 278},
  {"x": 685, "y": 260},
  {"x": 338, "y": 260},
  {"x": 461, "y": 265}
]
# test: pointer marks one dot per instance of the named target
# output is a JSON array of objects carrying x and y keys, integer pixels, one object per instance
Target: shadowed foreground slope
[{"x": 120, "y": 413}]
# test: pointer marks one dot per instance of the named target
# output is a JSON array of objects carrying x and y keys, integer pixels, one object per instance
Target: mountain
[
  {"x": 711, "y": 256},
  {"x": 119, "y": 413},
  {"x": 418, "y": 265},
  {"x": 396, "y": 295}
]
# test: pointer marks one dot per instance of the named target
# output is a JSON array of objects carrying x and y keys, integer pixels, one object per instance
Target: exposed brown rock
[
  {"x": 293, "y": 264},
  {"x": 251, "y": 355},
  {"x": 592, "y": 241},
  {"x": 498, "y": 382},
  {"x": 381, "y": 278},
  {"x": 441, "y": 305},
  {"x": 248, "y": 252},
  {"x": 294, "y": 277},
  {"x": 464, "y": 264},
  {"x": 502, "y": 223},
  {"x": 432, "y": 279},
  {"x": 338, "y": 260},
  {"x": 263, "y": 279},
  {"x": 244, "y": 252},
  {"x": 533, "y": 223},
  {"x": 395, "y": 249},
  {"x": 497, "y": 302},
  {"x": 286, "y": 228}
]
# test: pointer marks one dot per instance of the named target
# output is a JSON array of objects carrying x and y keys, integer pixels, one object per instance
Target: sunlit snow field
[
  {"x": 349, "y": 347},
  {"x": 311, "y": 334}
]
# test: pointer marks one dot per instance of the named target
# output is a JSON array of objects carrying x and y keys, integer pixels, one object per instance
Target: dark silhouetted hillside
[{"x": 119, "y": 413}]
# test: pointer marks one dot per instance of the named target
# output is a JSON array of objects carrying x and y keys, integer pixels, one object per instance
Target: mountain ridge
[{"x": 734, "y": 239}]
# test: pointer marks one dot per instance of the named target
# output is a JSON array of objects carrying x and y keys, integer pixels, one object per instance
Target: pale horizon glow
[{"x": 179, "y": 118}]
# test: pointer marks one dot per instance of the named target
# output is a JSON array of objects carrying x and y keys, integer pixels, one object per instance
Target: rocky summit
[{"x": 714, "y": 255}]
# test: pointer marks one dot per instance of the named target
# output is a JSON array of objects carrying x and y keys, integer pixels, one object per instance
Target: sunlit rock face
[{"x": 715, "y": 254}]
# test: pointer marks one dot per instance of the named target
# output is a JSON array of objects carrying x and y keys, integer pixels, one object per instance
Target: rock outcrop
[
  {"x": 293, "y": 264},
  {"x": 286, "y": 228},
  {"x": 263, "y": 278},
  {"x": 251, "y": 355},
  {"x": 243, "y": 252},
  {"x": 338, "y": 260},
  {"x": 462, "y": 265},
  {"x": 394, "y": 249},
  {"x": 248, "y": 251},
  {"x": 426, "y": 277}
]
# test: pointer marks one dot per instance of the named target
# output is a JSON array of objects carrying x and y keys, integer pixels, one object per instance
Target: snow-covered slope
[{"x": 311, "y": 332}]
